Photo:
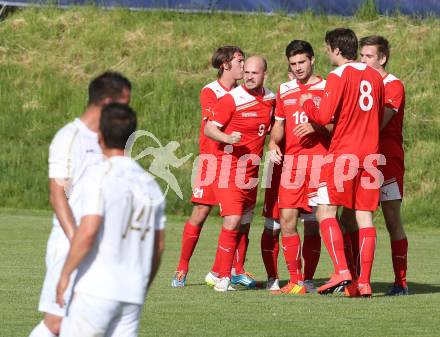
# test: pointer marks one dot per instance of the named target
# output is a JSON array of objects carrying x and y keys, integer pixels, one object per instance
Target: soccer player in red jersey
[
  {"x": 239, "y": 122},
  {"x": 375, "y": 52},
  {"x": 354, "y": 97},
  {"x": 296, "y": 191},
  {"x": 269, "y": 243},
  {"x": 229, "y": 61}
]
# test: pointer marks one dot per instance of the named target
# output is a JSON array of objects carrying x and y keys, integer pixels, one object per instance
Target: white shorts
[
  {"x": 56, "y": 254},
  {"x": 309, "y": 216},
  {"x": 272, "y": 224},
  {"x": 247, "y": 217},
  {"x": 390, "y": 191},
  {"x": 90, "y": 316}
]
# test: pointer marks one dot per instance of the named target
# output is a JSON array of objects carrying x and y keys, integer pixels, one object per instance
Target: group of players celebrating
[{"x": 336, "y": 152}]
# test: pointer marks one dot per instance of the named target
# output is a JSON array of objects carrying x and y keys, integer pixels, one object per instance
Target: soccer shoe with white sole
[
  {"x": 335, "y": 281},
  {"x": 223, "y": 284},
  {"x": 273, "y": 284},
  {"x": 397, "y": 291},
  {"x": 179, "y": 279},
  {"x": 339, "y": 290},
  {"x": 310, "y": 286},
  {"x": 292, "y": 288},
  {"x": 246, "y": 279},
  {"x": 211, "y": 279}
]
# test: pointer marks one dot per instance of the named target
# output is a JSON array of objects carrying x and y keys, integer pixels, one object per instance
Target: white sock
[{"x": 41, "y": 330}]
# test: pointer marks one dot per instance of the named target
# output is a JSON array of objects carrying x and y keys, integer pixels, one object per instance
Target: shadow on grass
[
  {"x": 383, "y": 287},
  {"x": 379, "y": 288}
]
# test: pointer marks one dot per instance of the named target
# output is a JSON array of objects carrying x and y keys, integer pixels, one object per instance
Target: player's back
[
  {"x": 73, "y": 149},
  {"x": 359, "y": 110},
  {"x": 119, "y": 265}
]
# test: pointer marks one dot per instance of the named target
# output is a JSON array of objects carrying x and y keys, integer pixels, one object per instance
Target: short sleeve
[
  {"x": 92, "y": 191},
  {"x": 60, "y": 152},
  {"x": 394, "y": 95},
  {"x": 207, "y": 101},
  {"x": 223, "y": 110},
  {"x": 160, "y": 218},
  {"x": 279, "y": 108}
]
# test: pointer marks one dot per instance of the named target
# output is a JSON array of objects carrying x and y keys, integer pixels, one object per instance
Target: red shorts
[
  {"x": 393, "y": 172},
  {"x": 297, "y": 190},
  {"x": 360, "y": 192},
  {"x": 270, "y": 208},
  {"x": 235, "y": 201},
  {"x": 205, "y": 184}
]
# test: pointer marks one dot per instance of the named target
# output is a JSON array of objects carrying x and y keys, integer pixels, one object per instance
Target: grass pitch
[{"x": 198, "y": 311}]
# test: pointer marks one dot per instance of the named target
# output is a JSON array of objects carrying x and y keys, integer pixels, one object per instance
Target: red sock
[
  {"x": 332, "y": 237},
  {"x": 399, "y": 253},
  {"x": 227, "y": 244},
  {"x": 311, "y": 251},
  {"x": 349, "y": 254},
  {"x": 354, "y": 238},
  {"x": 292, "y": 255},
  {"x": 367, "y": 241},
  {"x": 269, "y": 253},
  {"x": 190, "y": 237},
  {"x": 216, "y": 266},
  {"x": 240, "y": 253}
]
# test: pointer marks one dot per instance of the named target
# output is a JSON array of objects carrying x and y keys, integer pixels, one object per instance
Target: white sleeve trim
[
  {"x": 279, "y": 118},
  {"x": 217, "y": 124}
]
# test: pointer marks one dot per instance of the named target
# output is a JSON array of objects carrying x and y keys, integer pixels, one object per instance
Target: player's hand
[
  {"x": 304, "y": 129},
  {"x": 234, "y": 137},
  {"x": 63, "y": 283},
  {"x": 304, "y": 97},
  {"x": 275, "y": 154}
]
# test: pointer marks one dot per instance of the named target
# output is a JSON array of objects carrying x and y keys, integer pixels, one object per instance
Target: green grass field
[
  {"x": 199, "y": 311},
  {"x": 48, "y": 56}
]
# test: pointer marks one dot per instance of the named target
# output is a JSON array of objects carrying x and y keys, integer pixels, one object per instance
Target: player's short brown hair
[
  {"x": 345, "y": 40},
  {"x": 382, "y": 44},
  {"x": 117, "y": 123},
  {"x": 224, "y": 55},
  {"x": 296, "y": 47},
  {"x": 109, "y": 84}
]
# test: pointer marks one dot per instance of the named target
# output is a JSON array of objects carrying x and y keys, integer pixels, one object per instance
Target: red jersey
[
  {"x": 209, "y": 96},
  {"x": 391, "y": 139},
  {"x": 251, "y": 115},
  {"x": 354, "y": 96},
  {"x": 289, "y": 110}
]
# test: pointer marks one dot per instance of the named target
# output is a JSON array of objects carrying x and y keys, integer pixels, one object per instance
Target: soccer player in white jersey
[
  {"x": 119, "y": 243},
  {"x": 73, "y": 149}
]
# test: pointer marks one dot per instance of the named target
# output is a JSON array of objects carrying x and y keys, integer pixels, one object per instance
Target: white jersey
[
  {"x": 132, "y": 206},
  {"x": 74, "y": 148}
]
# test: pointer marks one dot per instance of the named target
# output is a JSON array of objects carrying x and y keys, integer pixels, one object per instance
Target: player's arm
[
  {"x": 207, "y": 101},
  {"x": 276, "y": 136},
  {"x": 81, "y": 245},
  {"x": 61, "y": 207},
  {"x": 159, "y": 246},
  {"x": 329, "y": 102},
  {"x": 305, "y": 129},
  {"x": 213, "y": 131},
  {"x": 394, "y": 98},
  {"x": 221, "y": 115},
  {"x": 388, "y": 113}
]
